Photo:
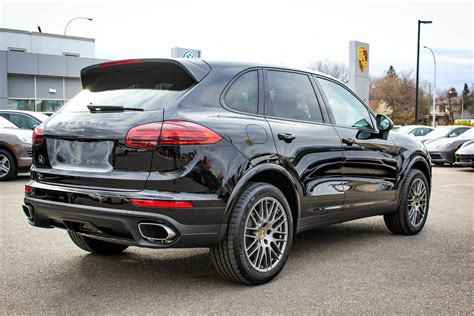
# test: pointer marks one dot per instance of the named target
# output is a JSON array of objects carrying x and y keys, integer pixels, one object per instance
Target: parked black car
[{"x": 232, "y": 156}]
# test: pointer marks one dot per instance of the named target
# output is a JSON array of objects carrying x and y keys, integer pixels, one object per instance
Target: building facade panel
[
  {"x": 72, "y": 86},
  {"x": 49, "y": 65},
  {"x": 22, "y": 63},
  {"x": 21, "y": 87},
  {"x": 49, "y": 88}
]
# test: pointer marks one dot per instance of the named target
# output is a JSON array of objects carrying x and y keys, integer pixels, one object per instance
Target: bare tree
[
  {"x": 337, "y": 70},
  {"x": 450, "y": 103},
  {"x": 397, "y": 90}
]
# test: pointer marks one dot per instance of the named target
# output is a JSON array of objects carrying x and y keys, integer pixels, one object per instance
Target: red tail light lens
[
  {"x": 144, "y": 136},
  {"x": 187, "y": 133},
  {"x": 162, "y": 204},
  {"x": 121, "y": 62},
  {"x": 28, "y": 189},
  {"x": 170, "y": 133},
  {"x": 38, "y": 135}
]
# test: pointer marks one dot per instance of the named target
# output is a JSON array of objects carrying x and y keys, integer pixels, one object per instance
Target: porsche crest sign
[{"x": 363, "y": 58}]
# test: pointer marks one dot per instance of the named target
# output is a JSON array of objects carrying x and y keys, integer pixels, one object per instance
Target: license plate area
[{"x": 85, "y": 156}]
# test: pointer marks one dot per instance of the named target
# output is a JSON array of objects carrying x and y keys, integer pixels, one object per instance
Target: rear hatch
[{"x": 93, "y": 140}]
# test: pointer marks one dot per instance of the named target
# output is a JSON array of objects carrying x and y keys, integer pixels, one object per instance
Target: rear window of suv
[{"x": 147, "y": 90}]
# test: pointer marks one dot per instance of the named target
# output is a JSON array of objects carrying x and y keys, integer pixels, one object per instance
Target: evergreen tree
[{"x": 391, "y": 72}]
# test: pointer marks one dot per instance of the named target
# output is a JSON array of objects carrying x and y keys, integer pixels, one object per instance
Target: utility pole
[{"x": 418, "y": 67}]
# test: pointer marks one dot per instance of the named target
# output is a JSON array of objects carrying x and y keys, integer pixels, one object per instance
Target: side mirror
[{"x": 384, "y": 125}]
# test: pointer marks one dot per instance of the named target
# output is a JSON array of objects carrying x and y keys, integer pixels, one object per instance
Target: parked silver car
[
  {"x": 442, "y": 150},
  {"x": 415, "y": 130},
  {"x": 465, "y": 154},
  {"x": 24, "y": 119},
  {"x": 444, "y": 132},
  {"x": 15, "y": 149}
]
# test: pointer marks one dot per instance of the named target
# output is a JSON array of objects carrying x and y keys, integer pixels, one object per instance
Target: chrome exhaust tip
[
  {"x": 29, "y": 212},
  {"x": 157, "y": 232}
]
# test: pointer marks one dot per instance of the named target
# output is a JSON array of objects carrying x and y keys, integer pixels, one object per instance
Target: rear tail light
[
  {"x": 172, "y": 133},
  {"x": 28, "y": 189},
  {"x": 38, "y": 135},
  {"x": 161, "y": 204},
  {"x": 144, "y": 136}
]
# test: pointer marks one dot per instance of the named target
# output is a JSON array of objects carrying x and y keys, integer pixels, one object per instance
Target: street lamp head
[
  {"x": 90, "y": 19},
  {"x": 425, "y": 22}
]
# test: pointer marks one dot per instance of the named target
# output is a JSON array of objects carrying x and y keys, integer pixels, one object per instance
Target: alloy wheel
[
  {"x": 417, "y": 202},
  {"x": 4, "y": 165},
  {"x": 266, "y": 234}
]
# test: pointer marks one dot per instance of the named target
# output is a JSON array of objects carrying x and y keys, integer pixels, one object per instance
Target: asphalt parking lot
[{"x": 356, "y": 267}]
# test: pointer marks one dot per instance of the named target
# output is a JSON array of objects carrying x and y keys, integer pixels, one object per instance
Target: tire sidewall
[
  {"x": 254, "y": 276},
  {"x": 12, "y": 172},
  {"x": 416, "y": 174}
]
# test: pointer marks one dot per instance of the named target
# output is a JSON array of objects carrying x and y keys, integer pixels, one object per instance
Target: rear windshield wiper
[{"x": 110, "y": 108}]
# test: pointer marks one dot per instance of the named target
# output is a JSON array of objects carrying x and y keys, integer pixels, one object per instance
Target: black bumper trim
[{"x": 118, "y": 225}]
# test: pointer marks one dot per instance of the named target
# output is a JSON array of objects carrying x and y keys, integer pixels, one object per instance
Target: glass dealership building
[{"x": 40, "y": 71}]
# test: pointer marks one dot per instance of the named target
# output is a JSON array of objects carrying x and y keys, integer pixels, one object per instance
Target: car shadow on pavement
[{"x": 139, "y": 269}]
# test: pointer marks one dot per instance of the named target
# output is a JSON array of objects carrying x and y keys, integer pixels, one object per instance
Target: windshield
[
  {"x": 6, "y": 123},
  {"x": 148, "y": 100},
  {"x": 440, "y": 132}
]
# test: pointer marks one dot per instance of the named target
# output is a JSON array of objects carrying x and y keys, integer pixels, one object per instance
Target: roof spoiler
[{"x": 196, "y": 68}]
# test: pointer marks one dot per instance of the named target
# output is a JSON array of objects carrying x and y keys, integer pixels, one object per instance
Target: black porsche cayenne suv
[{"x": 237, "y": 157}]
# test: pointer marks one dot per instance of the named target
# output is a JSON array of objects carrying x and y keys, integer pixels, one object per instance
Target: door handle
[
  {"x": 287, "y": 138},
  {"x": 349, "y": 141}
]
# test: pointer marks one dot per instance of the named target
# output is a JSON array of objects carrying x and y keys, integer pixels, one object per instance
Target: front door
[
  {"x": 306, "y": 144},
  {"x": 369, "y": 168}
]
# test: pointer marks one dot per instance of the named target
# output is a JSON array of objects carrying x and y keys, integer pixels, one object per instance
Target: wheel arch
[
  {"x": 272, "y": 174},
  {"x": 421, "y": 164}
]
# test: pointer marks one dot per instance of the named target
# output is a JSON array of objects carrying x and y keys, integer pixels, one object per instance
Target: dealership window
[
  {"x": 21, "y": 104},
  {"x": 48, "y": 105}
]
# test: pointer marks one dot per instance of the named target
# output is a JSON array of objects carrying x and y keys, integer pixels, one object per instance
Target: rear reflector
[
  {"x": 38, "y": 134},
  {"x": 162, "y": 204},
  {"x": 170, "y": 133},
  {"x": 121, "y": 62},
  {"x": 28, "y": 189}
]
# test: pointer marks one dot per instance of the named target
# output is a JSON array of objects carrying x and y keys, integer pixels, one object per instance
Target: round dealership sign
[{"x": 188, "y": 54}]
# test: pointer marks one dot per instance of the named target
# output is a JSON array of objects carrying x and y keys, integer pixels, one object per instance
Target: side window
[
  {"x": 418, "y": 131},
  {"x": 458, "y": 132},
  {"x": 23, "y": 121},
  {"x": 292, "y": 96},
  {"x": 243, "y": 94},
  {"x": 425, "y": 131},
  {"x": 346, "y": 108}
]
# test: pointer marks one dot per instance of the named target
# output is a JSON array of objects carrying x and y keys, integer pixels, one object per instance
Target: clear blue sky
[{"x": 289, "y": 32}]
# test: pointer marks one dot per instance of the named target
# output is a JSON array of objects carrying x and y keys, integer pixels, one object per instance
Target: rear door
[
  {"x": 104, "y": 137},
  {"x": 306, "y": 144},
  {"x": 370, "y": 163}
]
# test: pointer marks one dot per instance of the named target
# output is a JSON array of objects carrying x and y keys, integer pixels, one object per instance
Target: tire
[
  {"x": 96, "y": 246},
  {"x": 237, "y": 256},
  {"x": 407, "y": 220},
  {"x": 8, "y": 168}
]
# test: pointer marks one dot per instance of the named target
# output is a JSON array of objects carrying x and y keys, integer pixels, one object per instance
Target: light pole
[
  {"x": 76, "y": 18},
  {"x": 418, "y": 67},
  {"x": 434, "y": 85}
]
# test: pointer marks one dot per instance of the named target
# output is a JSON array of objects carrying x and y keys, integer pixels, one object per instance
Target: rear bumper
[
  {"x": 465, "y": 160},
  {"x": 195, "y": 227}
]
